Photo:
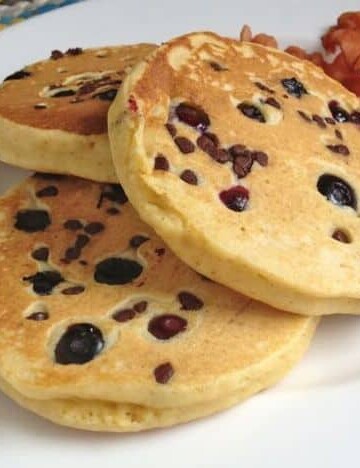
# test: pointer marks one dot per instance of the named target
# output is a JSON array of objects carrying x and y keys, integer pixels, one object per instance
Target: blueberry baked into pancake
[
  {"x": 246, "y": 161},
  {"x": 53, "y": 114},
  {"x": 103, "y": 328}
]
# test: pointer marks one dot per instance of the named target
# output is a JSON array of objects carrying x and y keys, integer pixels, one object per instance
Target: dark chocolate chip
[
  {"x": 189, "y": 177},
  {"x": 339, "y": 114},
  {"x": 83, "y": 262},
  {"x": 74, "y": 51},
  {"x": 19, "y": 75},
  {"x": 160, "y": 252},
  {"x": 94, "y": 228},
  {"x": 140, "y": 307},
  {"x": 72, "y": 253},
  {"x": 339, "y": 149},
  {"x": 262, "y": 87},
  {"x": 304, "y": 116},
  {"x": 208, "y": 142},
  {"x": 273, "y": 102},
  {"x": 56, "y": 54},
  {"x": 319, "y": 120},
  {"x": 124, "y": 315},
  {"x": 237, "y": 150},
  {"x": 341, "y": 236},
  {"x": 163, "y": 373},
  {"x": 337, "y": 191},
  {"x": 41, "y": 254},
  {"x": 40, "y": 106},
  {"x": 44, "y": 282},
  {"x": 236, "y": 198},
  {"x": 242, "y": 164},
  {"x": 192, "y": 115},
  {"x": 189, "y": 301},
  {"x": 32, "y": 220},
  {"x": 251, "y": 111},
  {"x": 113, "y": 211},
  {"x": 50, "y": 191},
  {"x": 161, "y": 163},
  {"x": 138, "y": 240},
  {"x": 294, "y": 87},
  {"x": 184, "y": 144},
  {"x": 171, "y": 129},
  {"x": 38, "y": 316},
  {"x": 79, "y": 344},
  {"x": 73, "y": 290},
  {"x": 114, "y": 193},
  {"x": 164, "y": 327},
  {"x": 355, "y": 117},
  {"x": 217, "y": 66},
  {"x": 64, "y": 93},
  {"x": 73, "y": 224},
  {"x": 108, "y": 95},
  {"x": 116, "y": 270},
  {"x": 338, "y": 134},
  {"x": 261, "y": 157},
  {"x": 81, "y": 241}
]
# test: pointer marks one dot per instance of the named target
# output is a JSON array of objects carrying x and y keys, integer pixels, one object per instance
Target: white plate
[{"x": 312, "y": 419}]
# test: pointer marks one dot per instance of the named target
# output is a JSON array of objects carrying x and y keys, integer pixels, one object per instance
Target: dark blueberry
[
  {"x": 161, "y": 163},
  {"x": 73, "y": 290},
  {"x": 189, "y": 301},
  {"x": 164, "y": 327},
  {"x": 41, "y": 254},
  {"x": 341, "y": 236},
  {"x": 140, "y": 307},
  {"x": 262, "y": 87},
  {"x": 339, "y": 149},
  {"x": 236, "y": 198},
  {"x": 171, "y": 129},
  {"x": 138, "y": 240},
  {"x": 56, "y": 54},
  {"x": 339, "y": 114},
  {"x": 160, "y": 252},
  {"x": 124, "y": 315},
  {"x": 163, "y": 373},
  {"x": 38, "y": 316},
  {"x": 294, "y": 87},
  {"x": 184, "y": 144},
  {"x": 81, "y": 241},
  {"x": 338, "y": 134},
  {"x": 261, "y": 157},
  {"x": 113, "y": 211},
  {"x": 50, "y": 191},
  {"x": 108, "y": 95},
  {"x": 32, "y": 220},
  {"x": 217, "y": 66},
  {"x": 273, "y": 102},
  {"x": 189, "y": 177},
  {"x": 73, "y": 224},
  {"x": 44, "y": 282},
  {"x": 79, "y": 344},
  {"x": 304, "y": 116},
  {"x": 72, "y": 253},
  {"x": 94, "y": 228},
  {"x": 116, "y": 270},
  {"x": 19, "y": 75},
  {"x": 319, "y": 120},
  {"x": 242, "y": 164},
  {"x": 192, "y": 115},
  {"x": 63, "y": 93},
  {"x": 251, "y": 111},
  {"x": 74, "y": 51},
  {"x": 337, "y": 191}
]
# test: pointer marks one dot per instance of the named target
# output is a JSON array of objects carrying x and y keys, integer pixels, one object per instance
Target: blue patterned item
[{"x": 11, "y": 10}]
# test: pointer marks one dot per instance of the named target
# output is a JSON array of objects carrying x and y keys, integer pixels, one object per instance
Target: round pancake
[
  {"x": 99, "y": 316},
  {"x": 53, "y": 114},
  {"x": 246, "y": 161}
]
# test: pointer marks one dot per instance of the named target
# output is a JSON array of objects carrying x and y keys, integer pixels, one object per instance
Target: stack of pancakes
[{"x": 133, "y": 306}]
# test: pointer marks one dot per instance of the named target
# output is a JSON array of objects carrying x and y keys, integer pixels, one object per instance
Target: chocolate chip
[
  {"x": 112, "y": 211},
  {"x": 208, "y": 142},
  {"x": 355, "y": 117},
  {"x": 189, "y": 177},
  {"x": 73, "y": 224},
  {"x": 83, "y": 262},
  {"x": 64, "y": 93},
  {"x": 74, "y": 51},
  {"x": 50, "y": 191},
  {"x": 81, "y": 241},
  {"x": 192, "y": 115},
  {"x": 161, "y": 163},
  {"x": 294, "y": 87},
  {"x": 171, "y": 129},
  {"x": 138, "y": 240},
  {"x": 94, "y": 228},
  {"x": 72, "y": 253},
  {"x": 189, "y": 301},
  {"x": 217, "y": 66},
  {"x": 339, "y": 114},
  {"x": 124, "y": 315},
  {"x": 40, "y": 106},
  {"x": 338, "y": 134},
  {"x": 140, "y": 307},
  {"x": 319, "y": 120},
  {"x": 44, "y": 282},
  {"x": 261, "y": 157},
  {"x": 337, "y": 191},
  {"x": 19, "y": 75},
  {"x": 160, "y": 252},
  {"x": 56, "y": 54},
  {"x": 164, "y": 327},
  {"x": 341, "y": 236},
  {"x": 114, "y": 193},
  {"x": 242, "y": 164},
  {"x": 236, "y": 198},
  {"x": 304, "y": 116},
  {"x": 251, "y": 111},
  {"x": 108, "y": 95},
  {"x": 184, "y": 144},
  {"x": 38, "y": 316},
  {"x": 41, "y": 254},
  {"x": 32, "y": 220},
  {"x": 339, "y": 149},
  {"x": 262, "y": 87},
  {"x": 330, "y": 121},
  {"x": 237, "y": 150},
  {"x": 73, "y": 290},
  {"x": 116, "y": 270},
  {"x": 273, "y": 102},
  {"x": 79, "y": 344},
  {"x": 163, "y": 373}
]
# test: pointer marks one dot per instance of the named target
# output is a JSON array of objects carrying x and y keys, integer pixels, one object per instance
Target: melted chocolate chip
[
  {"x": 108, "y": 95},
  {"x": 319, "y": 120},
  {"x": 192, "y": 115},
  {"x": 217, "y": 66},
  {"x": 337, "y": 191},
  {"x": 73, "y": 224},
  {"x": 164, "y": 327},
  {"x": 261, "y": 157},
  {"x": 163, "y": 373},
  {"x": 304, "y": 116},
  {"x": 41, "y": 254},
  {"x": 124, "y": 315},
  {"x": 19, "y": 75},
  {"x": 184, "y": 144},
  {"x": 341, "y": 236},
  {"x": 237, "y": 150},
  {"x": 189, "y": 177},
  {"x": 50, "y": 191},
  {"x": 56, "y": 54},
  {"x": 161, "y": 163},
  {"x": 294, "y": 87},
  {"x": 189, "y": 301},
  {"x": 44, "y": 282},
  {"x": 79, "y": 344},
  {"x": 339, "y": 149},
  {"x": 171, "y": 129},
  {"x": 251, "y": 111},
  {"x": 81, "y": 241},
  {"x": 339, "y": 114},
  {"x": 116, "y": 270},
  {"x": 242, "y": 164},
  {"x": 262, "y": 87},
  {"x": 73, "y": 290},
  {"x": 72, "y": 253},
  {"x": 38, "y": 316},
  {"x": 32, "y": 220},
  {"x": 138, "y": 240},
  {"x": 94, "y": 228},
  {"x": 273, "y": 102},
  {"x": 140, "y": 307},
  {"x": 236, "y": 198},
  {"x": 64, "y": 93}
]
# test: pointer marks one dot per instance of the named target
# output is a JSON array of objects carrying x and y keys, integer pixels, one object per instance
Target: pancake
[
  {"x": 53, "y": 114},
  {"x": 246, "y": 161},
  {"x": 103, "y": 328}
]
